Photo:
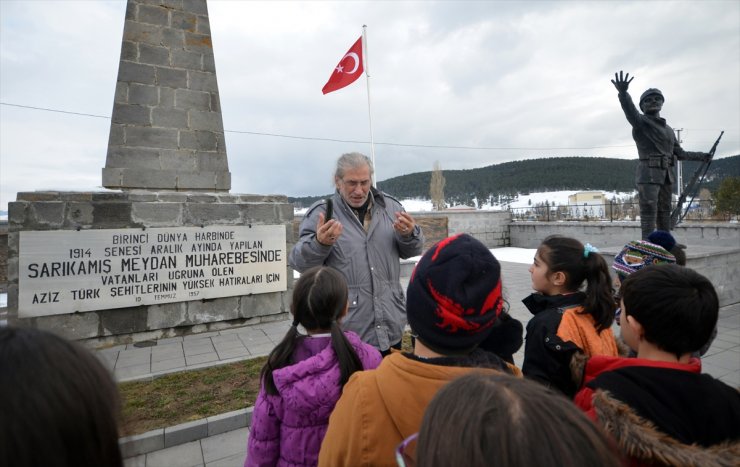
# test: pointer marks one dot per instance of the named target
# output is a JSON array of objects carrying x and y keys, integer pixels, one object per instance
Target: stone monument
[{"x": 168, "y": 250}]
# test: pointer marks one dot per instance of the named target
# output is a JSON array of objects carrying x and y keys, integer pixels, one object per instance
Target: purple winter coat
[{"x": 287, "y": 429}]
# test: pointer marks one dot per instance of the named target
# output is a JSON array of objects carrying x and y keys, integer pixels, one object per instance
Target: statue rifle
[{"x": 676, "y": 216}]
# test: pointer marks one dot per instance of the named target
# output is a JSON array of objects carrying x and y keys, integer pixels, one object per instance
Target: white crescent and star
[{"x": 353, "y": 56}]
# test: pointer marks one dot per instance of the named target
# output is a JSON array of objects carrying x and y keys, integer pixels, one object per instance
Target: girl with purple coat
[{"x": 304, "y": 375}]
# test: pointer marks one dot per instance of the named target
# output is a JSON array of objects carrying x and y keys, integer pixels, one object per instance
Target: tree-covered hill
[{"x": 538, "y": 175}]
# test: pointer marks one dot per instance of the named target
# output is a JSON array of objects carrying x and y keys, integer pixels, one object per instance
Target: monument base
[{"x": 140, "y": 210}]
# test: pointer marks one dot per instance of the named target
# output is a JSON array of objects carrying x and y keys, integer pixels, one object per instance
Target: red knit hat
[{"x": 454, "y": 295}]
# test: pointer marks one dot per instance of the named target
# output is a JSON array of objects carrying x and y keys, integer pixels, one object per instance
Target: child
[
  {"x": 453, "y": 301},
  {"x": 499, "y": 420},
  {"x": 58, "y": 404},
  {"x": 567, "y": 321},
  {"x": 659, "y": 407},
  {"x": 304, "y": 375}
]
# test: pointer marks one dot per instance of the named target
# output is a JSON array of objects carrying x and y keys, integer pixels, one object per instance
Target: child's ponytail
[
  {"x": 599, "y": 301},
  {"x": 279, "y": 358},
  {"x": 582, "y": 263},
  {"x": 349, "y": 362}
]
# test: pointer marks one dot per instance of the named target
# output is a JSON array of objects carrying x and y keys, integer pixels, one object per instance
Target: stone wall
[
  {"x": 118, "y": 210},
  {"x": 601, "y": 234}
]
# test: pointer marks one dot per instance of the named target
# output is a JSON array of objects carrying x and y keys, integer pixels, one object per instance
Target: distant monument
[
  {"x": 658, "y": 150},
  {"x": 169, "y": 251}
]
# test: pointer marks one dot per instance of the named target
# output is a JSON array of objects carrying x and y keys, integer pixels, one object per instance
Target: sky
[{"x": 468, "y": 84}]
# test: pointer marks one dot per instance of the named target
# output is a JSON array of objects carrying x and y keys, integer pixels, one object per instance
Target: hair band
[{"x": 588, "y": 249}]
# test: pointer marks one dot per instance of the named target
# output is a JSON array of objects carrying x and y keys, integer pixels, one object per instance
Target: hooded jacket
[
  {"x": 557, "y": 331},
  {"x": 663, "y": 413},
  {"x": 287, "y": 429},
  {"x": 380, "y": 408},
  {"x": 368, "y": 260}
]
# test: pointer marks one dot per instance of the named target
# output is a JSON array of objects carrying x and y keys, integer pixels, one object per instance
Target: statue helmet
[{"x": 650, "y": 92}]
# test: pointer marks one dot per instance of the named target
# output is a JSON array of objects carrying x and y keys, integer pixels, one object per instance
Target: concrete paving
[{"x": 229, "y": 448}]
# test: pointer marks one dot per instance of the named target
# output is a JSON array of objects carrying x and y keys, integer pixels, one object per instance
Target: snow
[{"x": 555, "y": 198}]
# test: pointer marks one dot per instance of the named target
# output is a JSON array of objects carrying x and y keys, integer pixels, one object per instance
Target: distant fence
[{"x": 611, "y": 211}]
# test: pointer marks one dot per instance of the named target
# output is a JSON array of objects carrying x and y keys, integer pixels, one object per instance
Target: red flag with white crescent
[{"x": 348, "y": 70}]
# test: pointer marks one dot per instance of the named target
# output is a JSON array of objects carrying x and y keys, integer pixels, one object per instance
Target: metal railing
[{"x": 611, "y": 211}]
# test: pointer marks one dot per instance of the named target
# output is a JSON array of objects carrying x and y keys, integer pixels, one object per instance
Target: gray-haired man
[{"x": 367, "y": 234}]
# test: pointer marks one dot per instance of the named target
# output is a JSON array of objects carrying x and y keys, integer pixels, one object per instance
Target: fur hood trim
[{"x": 640, "y": 440}]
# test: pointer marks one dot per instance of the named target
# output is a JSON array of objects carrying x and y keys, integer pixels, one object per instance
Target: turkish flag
[{"x": 348, "y": 70}]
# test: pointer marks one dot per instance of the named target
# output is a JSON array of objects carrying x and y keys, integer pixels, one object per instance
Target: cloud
[{"x": 529, "y": 76}]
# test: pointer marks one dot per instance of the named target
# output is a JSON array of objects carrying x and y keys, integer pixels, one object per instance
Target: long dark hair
[
  {"x": 497, "y": 419},
  {"x": 319, "y": 298},
  {"x": 568, "y": 255},
  {"x": 58, "y": 404}
]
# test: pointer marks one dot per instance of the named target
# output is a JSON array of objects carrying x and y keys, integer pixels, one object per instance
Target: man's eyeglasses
[{"x": 406, "y": 452}]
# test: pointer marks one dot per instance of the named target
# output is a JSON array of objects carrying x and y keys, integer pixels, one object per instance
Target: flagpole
[{"x": 369, "y": 112}]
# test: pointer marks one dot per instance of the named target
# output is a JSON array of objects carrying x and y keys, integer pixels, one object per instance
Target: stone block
[
  {"x": 178, "y": 160},
  {"x": 143, "y": 94},
  {"x": 172, "y": 78},
  {"x": 210, "y": 181},
  {"x": 154, "y": 55},
  {"x": 226, "y": 422},
  {"x": 141, "y": 158},
  {"x": 121, "y": 93},
  {"x": 192, "y": 100},
  {"x": 167, "y": 315},
  {"x": 211, "y": 162},
  {"x": 111, "y": 215},
  {"x": 166, "y": 98},
  {"x": 169, "y": 118},
  {"x": 131, "y": 114},
  {"x": 124, "y": 320},
  {"x": 209, "y": 63},
  {"x": 74, "y": 326},
  {"x": 210, "y": 311},
  {"x": 142, "y": 196},
  {"x": 258, "y": 212},
  {"x": 172, "y": 38},
  {"x": 142, "y": 178},
  {"x": 181, "y": 58},
  {"x": 157, "y": 214},
  {"x": 202, "y": 81},
  {"x": 131, "y": 11},
  {"x": 200, "y": 43},
  {"x": 153, "y": 15},
  {"x": 209, "y": 121},
  {"x": 139, "y": 32},
  {"x": 195, "y": 6},
  {"x": 109, "y": 196},
  {"x": 79, "y": 213},
  {"x": 215, "y": 102},
  {"x": 203, "y": 198},
  {"x": 184, "y": 20},
  {"x": 129, "y": 51},
  {"x": 261, "y": 305},
  {"x": 185, "y": 432},
  {"x": 221, "y": 143},
  {"x": 213, "y": 214},
  {"x": 169, "y": 197},
  {"x": 143, "y": 443},
  {"x": 17, "y": 212},
  {"x": 203, "y": 27},
  {"x": 131, "y": 72},
  {"x": 151, "y": 137},
  {"x": 198, "y": 140},
  {"x": 116, "y": 136},
  {"x": 112, "y": 177},
  {"x": 285, "y": 212},
  {"x": 49, "y": 213}
]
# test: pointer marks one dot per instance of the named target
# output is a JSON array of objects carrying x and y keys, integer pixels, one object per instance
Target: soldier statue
[{"x": 658, "y": 149}]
